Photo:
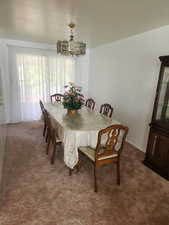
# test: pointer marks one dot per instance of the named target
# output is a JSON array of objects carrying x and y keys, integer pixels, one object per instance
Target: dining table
[{"x": 79, "y": 129}]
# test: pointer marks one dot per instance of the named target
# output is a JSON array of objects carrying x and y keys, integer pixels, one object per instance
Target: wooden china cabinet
[{"x": 157, "y": 153}]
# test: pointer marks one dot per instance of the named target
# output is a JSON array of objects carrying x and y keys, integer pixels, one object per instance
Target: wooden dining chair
[
  {"x": 90, "y": 103},
  {"x": 108, "y": 150},
  {"x": 106, "y": 109},
  {"x": 52, "y": 137},
  {"x": 44, "y": 118},
  {"x": 56, "y": 97}
]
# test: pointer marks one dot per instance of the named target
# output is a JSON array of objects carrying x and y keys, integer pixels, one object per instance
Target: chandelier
[{"x": 71, "y": 47}]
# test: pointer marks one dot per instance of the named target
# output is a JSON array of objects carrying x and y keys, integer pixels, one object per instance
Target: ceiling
[{"x": 97, "y": 21}]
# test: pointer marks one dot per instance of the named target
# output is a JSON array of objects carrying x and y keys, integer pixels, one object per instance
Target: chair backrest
[
  {"x": 56, "y": 97},
  {"x": 90, "y": 103},
  {"x": 48, "y": 121},
  {"x": 51, "y": 129},
  {"x": 106, "y": 109},
  {"x": 111, "y": 140},
  {"x": 41, "y": 105},
  {"x": 43, "y": 110}
]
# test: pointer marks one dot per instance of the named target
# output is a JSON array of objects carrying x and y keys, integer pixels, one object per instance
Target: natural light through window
[{"x": 40, "y": 76}]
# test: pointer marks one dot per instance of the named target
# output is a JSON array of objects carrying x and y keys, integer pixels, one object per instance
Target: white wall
[
  {"x": 2, "y": 136},
  {"x": 82, "y": 72},
  {"x": 125, "y": 74}
]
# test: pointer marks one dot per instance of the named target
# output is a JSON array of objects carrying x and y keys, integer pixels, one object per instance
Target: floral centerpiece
[{"x": 72, "y": 99}]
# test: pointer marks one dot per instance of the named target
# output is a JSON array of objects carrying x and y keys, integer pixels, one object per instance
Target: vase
[{"x": 71, "y": 111}]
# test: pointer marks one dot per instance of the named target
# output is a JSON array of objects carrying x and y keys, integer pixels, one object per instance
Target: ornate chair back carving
[
  {"x": 56, "y": 97},
  {"x": 106, "y": 109},
  {"x": 110, "y": 141},
  {"x": 90, "y": 103}
]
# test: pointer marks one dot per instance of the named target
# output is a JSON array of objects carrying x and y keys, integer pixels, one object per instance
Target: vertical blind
[{"x": 36, "y": 75}]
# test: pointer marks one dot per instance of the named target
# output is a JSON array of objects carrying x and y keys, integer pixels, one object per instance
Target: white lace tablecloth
[{"x": 77, "y": 130}]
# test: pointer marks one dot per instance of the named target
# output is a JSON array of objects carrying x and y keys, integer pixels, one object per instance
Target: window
[{"x": 34, "y": 77}]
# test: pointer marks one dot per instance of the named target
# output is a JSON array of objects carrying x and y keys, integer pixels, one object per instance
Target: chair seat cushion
[{"x": 90, "y": 152}]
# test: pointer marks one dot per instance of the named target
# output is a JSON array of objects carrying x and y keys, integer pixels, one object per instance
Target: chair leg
[
  {"x": 48, "y": 144},
  {"x": 78, "y": 166},
  {"x": 95, "y": 179},
  {"x": 70, "y": 171},
  {"x": 47, "y": 135},
  {"x": 44, "y": 129},
  {"x": 53, "y": 154},
  {"x": 118, "y": 172}
]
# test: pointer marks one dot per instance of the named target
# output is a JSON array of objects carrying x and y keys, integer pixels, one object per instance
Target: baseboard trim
[{"x": 134, "y": 146}]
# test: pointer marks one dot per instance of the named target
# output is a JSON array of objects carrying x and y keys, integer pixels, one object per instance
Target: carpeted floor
[{"x": 38, "y": 193}]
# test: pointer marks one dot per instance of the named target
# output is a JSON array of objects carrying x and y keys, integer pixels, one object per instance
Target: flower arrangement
[{"x": 72, "y": 98}]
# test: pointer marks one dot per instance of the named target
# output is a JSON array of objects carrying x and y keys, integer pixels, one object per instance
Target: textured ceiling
[{"x": 97, "y": 21}]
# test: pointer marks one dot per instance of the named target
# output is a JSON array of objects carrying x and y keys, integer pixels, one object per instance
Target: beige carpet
[{"x": 38, "y": 193}]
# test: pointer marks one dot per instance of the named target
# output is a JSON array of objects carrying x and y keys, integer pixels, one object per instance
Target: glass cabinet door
[{"x": 162, "y": 105}]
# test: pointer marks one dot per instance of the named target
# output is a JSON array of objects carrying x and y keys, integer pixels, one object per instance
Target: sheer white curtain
[{"x": 35, "y": 74}]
